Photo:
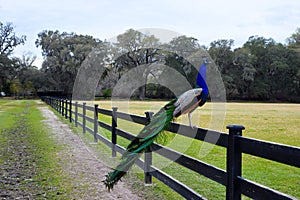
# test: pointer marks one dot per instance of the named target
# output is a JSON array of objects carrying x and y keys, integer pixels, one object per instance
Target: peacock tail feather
[{"x": 140, "y": 143}]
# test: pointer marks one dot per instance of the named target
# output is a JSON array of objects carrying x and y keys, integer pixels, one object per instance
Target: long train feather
[{"x": 139, "y": 144}]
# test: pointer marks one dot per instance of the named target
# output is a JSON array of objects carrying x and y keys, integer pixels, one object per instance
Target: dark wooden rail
[{"x": 234, "y": 142}]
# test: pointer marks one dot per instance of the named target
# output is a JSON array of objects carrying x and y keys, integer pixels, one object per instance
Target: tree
[
  {"x": 183, "y": 46},
  {"x": 294, "y": 40},
  {"x": 8, "y": 39},
  {"x": 220, "y": 51},
  {"x": 8, "y": 64},
  {"x": 222, "y": 55},
  {"x": 16, "y": 87},
  {"x": 276, "y": 68},
  {"x": 6, "y": 68},
  {"x": 258, "y": 47},
  {"x": 23, "y": 64},
  {"x": 182, "y": 50},
  {"x": 294, "y": 44},
  {"x": 63, "y": 53},
  {"x": 243, "y": 71},
  {"x": 28, "y": 74},
  {"x": 136, "y": 49},
  {"x": 29, "y": 88}
]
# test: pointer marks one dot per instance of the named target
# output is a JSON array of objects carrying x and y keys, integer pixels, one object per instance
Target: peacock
[{"x": 186, "y": 103}]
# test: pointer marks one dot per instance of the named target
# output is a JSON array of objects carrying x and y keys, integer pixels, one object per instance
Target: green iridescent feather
[{"x": 139, "y": 144}]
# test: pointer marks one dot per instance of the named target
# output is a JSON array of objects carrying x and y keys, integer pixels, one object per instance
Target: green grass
[
  {"x": 278, "y": 123},
  {"x": 6, "y": 122},
  {"x": 50, "y": 172},
  {"x": 49, "y": 179}
]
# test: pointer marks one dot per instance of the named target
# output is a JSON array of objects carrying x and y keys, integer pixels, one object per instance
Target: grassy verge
[{"x": 29, "y": 164}]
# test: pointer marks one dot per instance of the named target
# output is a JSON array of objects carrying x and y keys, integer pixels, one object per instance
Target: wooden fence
[{"x": 234, "y": 142}]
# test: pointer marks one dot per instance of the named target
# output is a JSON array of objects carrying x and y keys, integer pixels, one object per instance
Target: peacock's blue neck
[{"x": 201, "y": 79}]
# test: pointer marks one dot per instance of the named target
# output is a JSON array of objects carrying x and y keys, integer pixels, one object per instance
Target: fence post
[
  {"x": 60, "y": 110},
  {"x": 70, "y": 111},
  {"x": 83, "y": 117},
  {"x": 95, "y": 122},
  {"x": 114, "y": 125},
  {"x": 66, "y": 109},
  {"x": 148, "y": 157},
  {"x": 55, "y": 104},
  {"x": 51, "y": 104},
  {"x": 62, "y": 107},
  {"x": 233, "y": 163},
  {"x": 76, "y": 113}
]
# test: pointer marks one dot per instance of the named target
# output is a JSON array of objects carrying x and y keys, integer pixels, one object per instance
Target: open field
[
  {"x": 266, "y": 121},
  {"x": 278, "y": 123}
]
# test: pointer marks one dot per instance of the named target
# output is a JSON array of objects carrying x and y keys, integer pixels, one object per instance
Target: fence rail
[{"x": 234, "y": 143}]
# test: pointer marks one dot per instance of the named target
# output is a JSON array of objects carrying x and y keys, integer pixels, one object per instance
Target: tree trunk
[{"x": 142, "y": 91}]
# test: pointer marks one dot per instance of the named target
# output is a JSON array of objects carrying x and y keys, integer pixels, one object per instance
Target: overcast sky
[{"x": 205, "y": 20}]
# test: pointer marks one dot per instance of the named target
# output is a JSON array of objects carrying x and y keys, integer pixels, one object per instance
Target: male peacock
[{"x": 186, "y": 103}]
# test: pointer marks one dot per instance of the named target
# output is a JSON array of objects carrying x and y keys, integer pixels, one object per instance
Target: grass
[
  {"x": 272, "y": 122},
  {"x": 20, "y": 124},
  {"x": 278, "y": 123},
  {"x": 6, "y": 122}
]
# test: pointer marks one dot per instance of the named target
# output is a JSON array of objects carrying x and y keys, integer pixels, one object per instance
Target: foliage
[
  {"x": 261, "y": 69},
  {"x": 250, "y": 72},
  {"x": 17, "y": 74},
  {"x": 183, "y": 46},
  {"x": 15, "y": 87},
  {"x": 294, "y": 40},
  {"x": 63, "y": 53},
  {"x": 8, "y": 39},
  {"x": 107, "y": 93},
  {"x": 136, "y": 49}
]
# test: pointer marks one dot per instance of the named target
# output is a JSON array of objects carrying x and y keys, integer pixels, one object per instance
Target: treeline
[{"x": 262, "y": 69}]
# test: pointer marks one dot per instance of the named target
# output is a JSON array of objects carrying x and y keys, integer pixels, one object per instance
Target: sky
[{"x": 205, "y": 20}]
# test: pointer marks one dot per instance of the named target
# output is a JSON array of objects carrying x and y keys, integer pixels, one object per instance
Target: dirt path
[{"x": 83, "y": 167}]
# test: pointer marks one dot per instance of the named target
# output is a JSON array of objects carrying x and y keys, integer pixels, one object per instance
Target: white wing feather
[{"x": 185, "y": 100}]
